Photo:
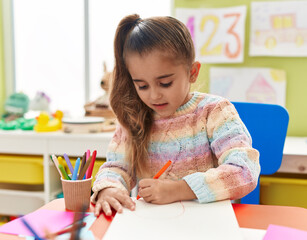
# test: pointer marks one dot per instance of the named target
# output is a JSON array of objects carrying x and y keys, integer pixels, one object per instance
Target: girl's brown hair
[{"x": 136, "y": 35}]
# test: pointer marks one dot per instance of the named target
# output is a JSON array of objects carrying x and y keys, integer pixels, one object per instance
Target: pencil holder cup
[{"x": 77, "y": 193}]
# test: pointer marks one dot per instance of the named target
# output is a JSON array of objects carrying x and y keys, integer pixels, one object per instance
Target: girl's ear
[{"x": 194, "y": 71}]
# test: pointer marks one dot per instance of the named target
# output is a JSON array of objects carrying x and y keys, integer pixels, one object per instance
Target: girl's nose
[{"x": 155, "y": 94}]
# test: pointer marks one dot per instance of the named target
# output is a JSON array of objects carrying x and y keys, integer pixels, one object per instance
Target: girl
[{"x": 160, "y": 120}]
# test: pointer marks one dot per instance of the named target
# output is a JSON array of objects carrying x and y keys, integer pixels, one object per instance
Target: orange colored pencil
[{"x": 162, "y": 170}]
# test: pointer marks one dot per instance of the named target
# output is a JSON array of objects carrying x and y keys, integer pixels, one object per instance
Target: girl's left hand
[{"x": 164, "y": 191}]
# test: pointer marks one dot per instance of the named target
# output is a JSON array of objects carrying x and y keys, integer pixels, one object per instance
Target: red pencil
[
  {"x": 162, "y": 170},
  {"x": 90, "y": 168}
]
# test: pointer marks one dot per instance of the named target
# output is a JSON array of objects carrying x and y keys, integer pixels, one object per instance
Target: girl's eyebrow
[
  {"x": 165, "y": 76},
  {"x": 158, "y": 78}
]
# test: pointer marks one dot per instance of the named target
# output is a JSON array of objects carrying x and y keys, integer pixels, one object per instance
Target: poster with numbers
[{"x": 218, "y": 33}]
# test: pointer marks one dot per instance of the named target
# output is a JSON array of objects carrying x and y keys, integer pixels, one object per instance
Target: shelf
[
  {"x": 296, "y": 146},
  {"x": 15, "y": 202},
  {"x": 30, "y": 142},
  {"x": 20, "y": 202}
]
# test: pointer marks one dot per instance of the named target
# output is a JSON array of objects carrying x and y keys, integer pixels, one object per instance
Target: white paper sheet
[
  {"x": 252, "y": 234},
  {"x": 181, "y": 220}
]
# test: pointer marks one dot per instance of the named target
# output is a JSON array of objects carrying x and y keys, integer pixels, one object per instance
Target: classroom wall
[
  {"x": 295, "y": 67},
  {"x": 2, "y": 84}
]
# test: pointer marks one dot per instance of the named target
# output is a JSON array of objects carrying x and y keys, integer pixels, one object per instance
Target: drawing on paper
[
  {"x": 221, "y": 85},
  {"x": 278, "y": 28},
  {"x": 283, "y": 30},
  {"x": 261, "y": 91},
  {"x": 262, "y": 85}
]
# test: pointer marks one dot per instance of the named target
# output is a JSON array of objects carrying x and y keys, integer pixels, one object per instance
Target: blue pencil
[
  {"x": 30, "y": 228},
  {"x": 75, "y": 174}
]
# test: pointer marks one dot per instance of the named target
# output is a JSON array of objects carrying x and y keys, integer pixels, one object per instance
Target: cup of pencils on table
[{"x": 76, "y": 185}]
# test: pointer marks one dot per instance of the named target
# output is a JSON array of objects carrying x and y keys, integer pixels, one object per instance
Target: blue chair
[{"x": 267, "y": 124}]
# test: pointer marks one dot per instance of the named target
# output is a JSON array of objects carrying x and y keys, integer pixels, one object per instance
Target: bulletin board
[
  {"x": 2, "y": 86},
  {"x": 295, "y": 67}
]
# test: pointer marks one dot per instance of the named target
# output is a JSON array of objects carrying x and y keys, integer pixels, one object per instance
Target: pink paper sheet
[
  {"x": 275, "y": 232},
  {"x": 39, "y": 220}
]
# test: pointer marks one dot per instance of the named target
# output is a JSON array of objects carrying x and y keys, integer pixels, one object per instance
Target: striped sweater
[{"x": 208, "y": 144}]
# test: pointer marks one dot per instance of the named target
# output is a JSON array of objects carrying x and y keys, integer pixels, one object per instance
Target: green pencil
[{"x": 64, "y": 172}]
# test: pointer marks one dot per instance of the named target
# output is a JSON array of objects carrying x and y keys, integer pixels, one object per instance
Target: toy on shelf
[
  {"x": 101, "y": 106},
  {"x": 15, "y": 106},
  {"x": 47, "y": 124},
  {"x": 19, "y": 123},
  {"x": 40, "y": 102}
]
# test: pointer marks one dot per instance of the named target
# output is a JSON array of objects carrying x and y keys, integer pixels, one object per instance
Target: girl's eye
[
  {"x": 165, "y": 85},
  {"x": 143, "y": 87}
]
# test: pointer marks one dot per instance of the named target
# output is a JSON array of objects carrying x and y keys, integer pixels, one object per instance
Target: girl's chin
[{"x": 164, "y": 114}]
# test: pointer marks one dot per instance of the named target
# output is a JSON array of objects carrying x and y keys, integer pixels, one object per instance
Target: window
[
  {"x": 49, "y": 50},
  {"x": 54, "y": 38}
]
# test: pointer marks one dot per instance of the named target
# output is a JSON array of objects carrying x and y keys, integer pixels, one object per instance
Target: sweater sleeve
[
  {"x": 114, "y": 172},
  {"x": 238, "y": 169}
]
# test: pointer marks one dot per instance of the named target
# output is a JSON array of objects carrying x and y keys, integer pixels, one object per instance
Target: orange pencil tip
[{"x": 138, "y": 197}]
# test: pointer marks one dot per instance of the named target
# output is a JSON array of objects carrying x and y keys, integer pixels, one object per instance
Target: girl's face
[{"x": 162, "y": 84}]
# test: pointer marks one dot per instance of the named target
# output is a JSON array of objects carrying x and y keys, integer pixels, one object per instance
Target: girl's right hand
[{"x": 113, "y": 198}]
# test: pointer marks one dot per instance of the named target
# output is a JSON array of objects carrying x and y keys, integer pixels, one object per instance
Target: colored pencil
[
  {"x": 88, "y": 154},
  {"x": 65, "y": 230},
  {"x": 82, "y": 218},
  {"x": 56, "y": 163},
  {"x": 65, "y": 176},
  {"x": 91, "y": 167},
  {"x": 162, "y": 170},
  {"x": 83, "y": 170},
  {"x": 83, "y": 160},
  {"x": 60, "y": 160},
  {"x": 28, "y": 226},
  {"x": 75, "y": 174},
  {"x": 71, "y": 169},
  {"x": 75, "y": 230}
]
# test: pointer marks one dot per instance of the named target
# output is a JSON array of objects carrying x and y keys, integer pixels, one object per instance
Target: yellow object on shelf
[
  {"x": 21, "y": 169},
  {"x": 283, "y": 191},
  {"x": 45, "y": 124}
]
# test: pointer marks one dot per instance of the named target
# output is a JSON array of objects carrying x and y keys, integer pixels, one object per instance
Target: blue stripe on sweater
[
  {"x": 190, "y": 143},
  {"x": 231, "y": 127},
  {"x": 241, "y": 159},
  {"x": 200, "y": 188},
  {"x": 114, "y": 156}
]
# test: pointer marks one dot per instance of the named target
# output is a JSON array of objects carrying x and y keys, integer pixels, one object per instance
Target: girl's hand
[
  {"x": 164, "y": 191},
  {"x": 113, "y": 198}
]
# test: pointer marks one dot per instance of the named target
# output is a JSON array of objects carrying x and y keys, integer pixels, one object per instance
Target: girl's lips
[{"x": 160, "y": 106}]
